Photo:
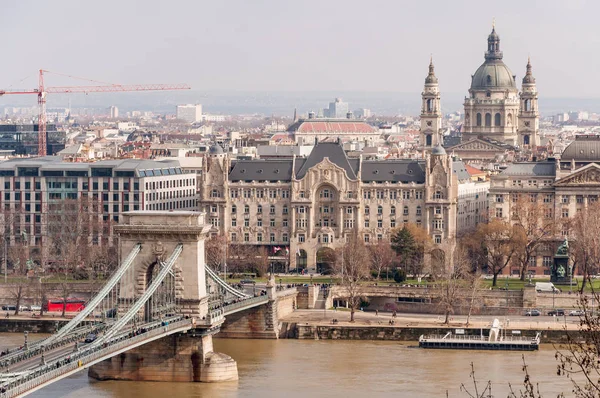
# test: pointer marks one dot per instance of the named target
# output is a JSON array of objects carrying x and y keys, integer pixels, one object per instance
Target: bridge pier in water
[{"x": 184, "y": 357}]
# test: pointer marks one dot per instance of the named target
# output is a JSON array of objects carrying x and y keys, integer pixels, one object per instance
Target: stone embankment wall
[
  {"x": 396, "y": 333},
  {"x": 30, "y": 325},
  {"x": 486, "y": 302}
]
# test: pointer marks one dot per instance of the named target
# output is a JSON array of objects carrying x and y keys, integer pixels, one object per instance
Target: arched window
[
  {"x": 488, "y": 120},
  {"x": 379, "y": 210},
  {"x": 527, "y": 105},
  {"x": 405, "y": 211},
  {"x": 246, "y": 209},
  {"x": 272, "y": 209},
  {"x": 393, "y": 210},
  {"x": 479, "y": 119},
  {"x": 418, "y": 210},
  {"x": 526, "y": 140},
  {"x": 509, "y": 119},
  {"x": 233, "y": 209},
  {"x": 497, "y": 119},
  {"x": 438, "y": 195},
  {"x": 259, "y": 209},
  {"x": 428, "y": 140},
  {"x": 429, "y": 105}
]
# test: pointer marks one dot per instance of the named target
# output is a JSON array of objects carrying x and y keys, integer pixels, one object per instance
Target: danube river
[{"x": 307, "y": 368}]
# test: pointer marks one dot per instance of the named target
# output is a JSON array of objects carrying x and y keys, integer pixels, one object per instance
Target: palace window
[
  {"x": 405, "y": 211},
  {"x": 233, "y": 237},
  {"x": 418, "y": 210},
  {"x": 380, "y": 223},
  {"x": 499, "y": 212},
  {"x": 285, "y": 238},
  {"x": 379, "y": 210},
  {"x": 272, "y": 222},
  {"x": 393, "y": 210},
  {"x": 284, "y": 210},
  {"x": 246, "y": 222},
  {"x": 272, "y": 237},
  {"x": 259, "y": 209},
  {"x": 259, "y": 222},
  {"x": 272, "y": 209},
  {"x": 380, "y": 194},
  {"x": 393, "y": 223},
  {"x": 366, "y": 210},
  {"x": 437, "y": 239},
  {"x": 285, "y": 222},
  {"x": 246, "y": 209},
  {"x": 564, "y": 199},
  {"x": 547, "y": 198},
  {"x": 419, "y": 195},
  {"x": 285, "y": 194},
  {"x": 565, "y": 213},
  {"x": 547, "y": 261},
  {"x": 233, "y": 209},
  {"x": 366, "y": 238},
  {"x": 246, "y": 237},
  {"x": 366, "y": 223},
  {"x": 301, "y": 238},
  {"x": 438, "y": 195},
  {"x": 259, "y": 237},
  {"x": 233, "y": 222}
]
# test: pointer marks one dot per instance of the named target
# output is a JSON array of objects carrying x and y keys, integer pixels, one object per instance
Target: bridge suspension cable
[
  {"x": 98, "y": 298},
  {"x": 138, "y": 305},
  {"x": 225, "y": 285}
]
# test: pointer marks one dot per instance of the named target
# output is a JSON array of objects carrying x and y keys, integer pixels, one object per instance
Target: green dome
[{"x": 491, "y": 75}]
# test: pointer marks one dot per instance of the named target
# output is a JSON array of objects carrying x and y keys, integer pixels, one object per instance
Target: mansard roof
[
  {"x": 258, "y": 170},
  {"x": 400, "y": 170},
  {"x": 532, "y": 169},
  {"x": 460, "y": 169}
]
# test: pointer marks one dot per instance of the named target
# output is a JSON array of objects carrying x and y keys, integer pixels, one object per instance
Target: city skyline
[{"x": 271, "y": 46}]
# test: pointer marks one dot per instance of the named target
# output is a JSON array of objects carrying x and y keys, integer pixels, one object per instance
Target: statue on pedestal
[{"x": 561, "y": 270}]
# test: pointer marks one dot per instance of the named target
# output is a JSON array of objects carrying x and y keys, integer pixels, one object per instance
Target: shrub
[{"x": 399, "y": 276}]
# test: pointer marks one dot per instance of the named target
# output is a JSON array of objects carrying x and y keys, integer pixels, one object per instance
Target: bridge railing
[
  {"x": 38, "y": 347},
  {"x": 82, "y": 358},
  {"x": 245, "y": 303}
]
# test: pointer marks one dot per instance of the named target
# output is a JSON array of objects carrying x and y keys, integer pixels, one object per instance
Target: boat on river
[{"x": 494, "y": 341}]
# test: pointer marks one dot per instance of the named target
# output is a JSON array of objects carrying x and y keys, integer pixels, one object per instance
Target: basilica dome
[{"x": 493, "y": 73}]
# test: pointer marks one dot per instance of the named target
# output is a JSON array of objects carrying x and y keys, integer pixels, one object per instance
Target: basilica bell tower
[
  {"x": 529, "y": 116},
  {"x": 431, "y": 114}
]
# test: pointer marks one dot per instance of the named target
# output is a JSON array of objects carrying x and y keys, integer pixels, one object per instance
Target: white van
[{"x": 546, "y": 287}]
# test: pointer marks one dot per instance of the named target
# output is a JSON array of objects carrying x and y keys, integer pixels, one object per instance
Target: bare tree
[
  {"x": 352, "y": 266},
  {"x": 456, "y": 284},
  {"x": 585, "y": 246},
  {"x": 534, "y": 221},
  {"x": 18, "y": 292},
  {"x": 260, "y": 260},
  {"x": 215, "y": 249},
  {"x": 493, "y": 244},
  {"x": 382, "y": 257}
]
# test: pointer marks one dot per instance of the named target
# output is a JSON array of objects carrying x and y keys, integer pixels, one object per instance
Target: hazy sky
[{"x": 302, "y": 45}]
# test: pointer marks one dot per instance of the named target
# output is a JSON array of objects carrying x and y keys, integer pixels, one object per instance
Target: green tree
[{"x": 404, "y": 244}]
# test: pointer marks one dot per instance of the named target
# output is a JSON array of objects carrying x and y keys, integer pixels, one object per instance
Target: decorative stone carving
[
  {"x": 159, "y": 251},
  {"x": 587, "y": 177}
]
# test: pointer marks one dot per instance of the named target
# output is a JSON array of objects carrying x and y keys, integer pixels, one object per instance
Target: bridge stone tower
[{"x": 183, "y": 357}]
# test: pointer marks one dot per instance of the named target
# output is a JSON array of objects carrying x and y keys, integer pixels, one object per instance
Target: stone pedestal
[{"x": 176, "y": 358}]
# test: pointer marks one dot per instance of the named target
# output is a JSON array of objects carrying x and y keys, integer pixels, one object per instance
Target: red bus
[{"x": 72, "y": 305}]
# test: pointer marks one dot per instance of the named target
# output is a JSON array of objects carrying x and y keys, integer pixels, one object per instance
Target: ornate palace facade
[
  {"x": 562, "y": 187},
  {"x": 314, "y": 203}
]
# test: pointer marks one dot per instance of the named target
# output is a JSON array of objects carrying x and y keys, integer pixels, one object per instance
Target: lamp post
[{"x": 5, "y": 259}]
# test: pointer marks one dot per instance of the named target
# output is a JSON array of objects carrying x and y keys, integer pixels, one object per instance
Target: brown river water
[{"x": 325, "y": 368}]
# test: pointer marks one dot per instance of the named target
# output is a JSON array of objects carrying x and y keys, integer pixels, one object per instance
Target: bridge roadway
[{"x": 62, "y": 359}]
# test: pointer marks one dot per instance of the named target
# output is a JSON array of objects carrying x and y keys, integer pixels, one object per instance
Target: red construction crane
[{"x": 41, "y": 92}]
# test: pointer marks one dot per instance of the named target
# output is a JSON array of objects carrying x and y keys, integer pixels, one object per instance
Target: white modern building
[{"x": 190, "y": 113}]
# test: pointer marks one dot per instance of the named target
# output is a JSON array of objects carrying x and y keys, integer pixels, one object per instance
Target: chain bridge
[{"x": 153, "y": 319}]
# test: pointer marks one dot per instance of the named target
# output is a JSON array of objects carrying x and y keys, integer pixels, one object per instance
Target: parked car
[
  {"x": 36, "y": 308},
  {"x": 90, "y": 337},
  {"x": 533, "y": 313},
  {"x": 247, "y": 282},
  {"x": 556, "y": 312},
  {"x": 577, "y": 313},
  {"x": 8, "y": 308}
]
